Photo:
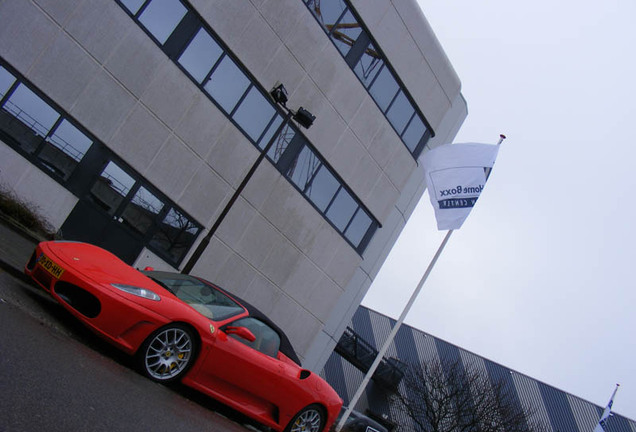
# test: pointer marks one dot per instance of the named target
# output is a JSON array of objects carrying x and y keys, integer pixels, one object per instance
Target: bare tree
[{"x": 451, "y": 397}]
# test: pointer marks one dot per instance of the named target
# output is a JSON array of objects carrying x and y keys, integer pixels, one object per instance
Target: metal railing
[
  {"x": 361, "y": 354},
  {"x": 41, "y": 130}
]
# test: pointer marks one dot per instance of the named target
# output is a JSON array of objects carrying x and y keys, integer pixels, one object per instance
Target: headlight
[{"x": 139, "y": 292}]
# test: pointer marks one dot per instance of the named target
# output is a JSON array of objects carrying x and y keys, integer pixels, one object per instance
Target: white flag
[
  {"x": 455, "y": 176},
  {"x": 602, "y": 423}
]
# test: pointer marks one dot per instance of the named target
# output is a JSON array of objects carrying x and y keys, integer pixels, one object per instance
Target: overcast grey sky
[{"x": 541, "y": 276}]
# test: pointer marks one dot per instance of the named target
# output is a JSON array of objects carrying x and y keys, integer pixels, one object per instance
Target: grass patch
[{"x": 24, "y": 214}]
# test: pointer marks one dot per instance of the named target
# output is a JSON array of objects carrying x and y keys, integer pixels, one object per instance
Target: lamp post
[{"x": 303, "y": 117}]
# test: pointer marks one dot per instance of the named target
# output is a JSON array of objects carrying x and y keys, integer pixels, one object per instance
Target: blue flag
[{"x": 602, "y": 423}]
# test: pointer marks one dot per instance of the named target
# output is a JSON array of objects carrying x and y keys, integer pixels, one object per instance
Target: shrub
[{"x": 24, "y": 214}]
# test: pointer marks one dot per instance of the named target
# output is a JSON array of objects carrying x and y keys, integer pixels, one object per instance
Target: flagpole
[
  {"x": 398, "y": 324},
  {"x": 394, "y": 331},
  {"x": 501, "y": 138}
]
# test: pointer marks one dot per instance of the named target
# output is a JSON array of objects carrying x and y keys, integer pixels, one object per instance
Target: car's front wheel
[
  {"x": 309, "y": 419},
  {"x": 168, "y": 353}
]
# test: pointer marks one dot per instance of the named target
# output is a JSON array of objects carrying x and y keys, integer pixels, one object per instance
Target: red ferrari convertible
[{"x": 179, "y": 327}]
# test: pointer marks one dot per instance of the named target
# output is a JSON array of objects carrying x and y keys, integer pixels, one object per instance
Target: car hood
[
  {"x": 104, "y": 268},
  {"x": 97, "y": 264}
]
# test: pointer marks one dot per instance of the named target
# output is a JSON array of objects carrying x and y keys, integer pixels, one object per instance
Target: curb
[
  {"x": 17, "y": 273},
  {"x": 14, "y": 271}
]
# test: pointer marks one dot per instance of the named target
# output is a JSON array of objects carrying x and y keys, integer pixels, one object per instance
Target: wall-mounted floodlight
[
  {"x": 279, "y": 93},
  {"x": 304, "y": 117}
]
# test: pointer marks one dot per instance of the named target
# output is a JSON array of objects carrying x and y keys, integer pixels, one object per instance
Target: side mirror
[{"x": 242, "y": 332}]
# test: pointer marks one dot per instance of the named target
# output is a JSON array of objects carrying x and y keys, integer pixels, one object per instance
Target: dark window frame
[
  {"x": 174, "y": 52},
  {"x": 89, "y": 168},
  {"x": 295, "y": 147},
  {"x": 137, "y": 15},
  {"x": 105, "y": 157},
  {"x": 34, "y": 156},
  {"x": 352, "y": 58}
]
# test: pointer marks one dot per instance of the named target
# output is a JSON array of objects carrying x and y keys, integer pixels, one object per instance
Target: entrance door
[{"x": 116, "y": 214}]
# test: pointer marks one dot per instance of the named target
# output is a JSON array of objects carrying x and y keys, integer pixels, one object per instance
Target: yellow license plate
[{"x": 47, "y": 264}]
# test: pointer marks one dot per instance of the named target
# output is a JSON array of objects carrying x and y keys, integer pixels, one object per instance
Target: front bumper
[{"x": 125, "y": 322}]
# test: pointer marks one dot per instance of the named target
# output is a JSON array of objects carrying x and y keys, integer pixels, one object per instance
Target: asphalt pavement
[
  {"x": 57, "y": 376},
  {"x": 54, "y": 383}
]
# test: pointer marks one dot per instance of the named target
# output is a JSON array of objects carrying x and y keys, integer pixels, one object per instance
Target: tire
[
  {"x": 168, "y": 353},
  {"x": 310, "y": 419}
]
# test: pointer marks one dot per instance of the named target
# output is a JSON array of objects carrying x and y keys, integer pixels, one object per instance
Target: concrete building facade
[
  {"x": 546, "y": 407},
  {"x": 133, "y": 123}
]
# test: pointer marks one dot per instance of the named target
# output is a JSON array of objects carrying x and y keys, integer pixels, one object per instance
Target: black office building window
[
  {"x": 6, "y": 81},
  {"x": 38, "y": 129},
  {"x": 358, "y": 227},
  {"x": 341, "y": 209},
  {"x": 175, "y": 234},
  {"x": 345, "y": 29},
  {"x": 133, "y": 5},
  {"x": 34, "y": 116},
  {"x": 141, "y": 212},
  {"x": 254, "y": 114},
  {"x": 414, "y": 133},
  {"x": 322, "y": 188},
  {"x": 161, "y": 17},
  {"x": 326, "y": 192},
  {"x": 227, "y": 84},
  {"x": 303, "y": 169},
  {"x": 44, "y": 134},
  {"x": 282, "y": 140},
  {"x": 345, "y": 33},
  {"x": 66, "y": 146},
  {"x": 369, "y": 65},
  {"x": 200, "y": 55},
  {"x": 195, "y": 47},
  {"x": 112, "y": 187},
  {"x": 327, "y": 12},
  {"x": 400, "y": 112},
  {"x": 384, "y": 88}
]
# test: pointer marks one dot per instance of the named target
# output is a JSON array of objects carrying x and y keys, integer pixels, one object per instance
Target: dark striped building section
[{"x": 557, "y": 410}]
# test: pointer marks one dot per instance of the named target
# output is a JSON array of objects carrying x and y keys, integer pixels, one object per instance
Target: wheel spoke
[
  {"x": 153, "y": 364},
  {"x": 165, "y": 341},
  {"x": 184, "y": 346},
  {"x": 156, "y": 350},
  {"x": 177, "y": 338},
  {"x": 307, "y": 421},
  {"x": 168, "y": 354}
]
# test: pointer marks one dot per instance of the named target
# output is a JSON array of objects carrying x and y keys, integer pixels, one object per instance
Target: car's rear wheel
[
  {"x": 309, "y": 419},
  {"x": 168, "y": 353}
]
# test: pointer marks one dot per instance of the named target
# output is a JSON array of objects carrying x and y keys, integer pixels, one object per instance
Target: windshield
[{"x": 204, "y": 298}]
